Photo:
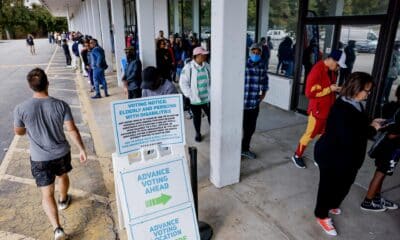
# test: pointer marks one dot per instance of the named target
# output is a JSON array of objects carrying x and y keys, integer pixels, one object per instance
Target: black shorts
[
  {"x": 45, "y": 172},
  {"x": 386, "y": 166}
]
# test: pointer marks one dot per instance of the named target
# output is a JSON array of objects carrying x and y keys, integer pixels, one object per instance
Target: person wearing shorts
[
  {"x": 43, "y": 119},
  {"x": 386, "y": 160}
]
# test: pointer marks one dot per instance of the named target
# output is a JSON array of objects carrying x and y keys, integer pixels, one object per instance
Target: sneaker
[
  {"x": 96, "y": 96},
  {"x": 298, "y": 161},
  {"x": 372, "y": 206},
  {"x": 386, "y": 203},
  {"x": 335, "y": 211},
  {"x": 59, "y": 234},
  {"x": 107, "y": 95},
  {"x": 249, "y": 154},
  {"x": 198, "y": 137},
  {"x": 62, "y": 205},
  {"x": 327, "y": 225}
]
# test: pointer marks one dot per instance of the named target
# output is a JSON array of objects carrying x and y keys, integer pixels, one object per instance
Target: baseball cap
[
  {"x": 199, "y": 50},
  {"x": 339, "y": 57},
  {"x": 255, "y": 46}
]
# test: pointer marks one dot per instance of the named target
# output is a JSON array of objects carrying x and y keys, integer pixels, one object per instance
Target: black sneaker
[
  {"x": 386, "y": 203},
  {"x": 62, "y": 205},
  {"x": 248, "y": 154},
  {"x": 198, "y": 137},
  {"x": 298, "y": 161},
  {"x": 59, "y": 234},
  {"x": 96, "y": 96},
  {"x": 372, "y": 206}
]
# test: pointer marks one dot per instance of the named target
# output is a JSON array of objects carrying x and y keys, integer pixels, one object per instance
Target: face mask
[{"x": 255, "y": 57}]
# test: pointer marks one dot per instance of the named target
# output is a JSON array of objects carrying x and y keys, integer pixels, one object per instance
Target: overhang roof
[{"x": 59, "y": 8}]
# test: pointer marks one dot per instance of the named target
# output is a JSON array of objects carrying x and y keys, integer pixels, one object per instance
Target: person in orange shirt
[{"x": 320, "y": 90}]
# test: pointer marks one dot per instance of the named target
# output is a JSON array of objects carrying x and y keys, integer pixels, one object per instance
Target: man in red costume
[{"x": 320, "y": 90}]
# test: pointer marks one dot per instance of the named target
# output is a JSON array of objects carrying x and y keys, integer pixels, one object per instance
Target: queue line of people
[{"x": 336, "y": 115}]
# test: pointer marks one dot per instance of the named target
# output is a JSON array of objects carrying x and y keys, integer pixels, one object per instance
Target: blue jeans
[
  {"x": 289, "y": 68},
  {"x": 99, "y": 78}
]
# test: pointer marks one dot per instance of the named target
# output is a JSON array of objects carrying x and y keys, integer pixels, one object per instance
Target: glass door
[{"x": 318, "y": 43}]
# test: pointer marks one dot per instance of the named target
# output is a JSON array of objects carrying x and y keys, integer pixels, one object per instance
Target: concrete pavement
[
  {"x": 273, "y": 201},
  {"x": 15, "y": 62},
  {"x": 90, "y": 215}
]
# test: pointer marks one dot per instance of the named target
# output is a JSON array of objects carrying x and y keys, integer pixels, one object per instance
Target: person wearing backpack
[
  {"x": 132, "y": 77},
  {"x": 75, "y": 52},
  {"x": 386, "y": 159},
  {"x": 194, "y": 82}
]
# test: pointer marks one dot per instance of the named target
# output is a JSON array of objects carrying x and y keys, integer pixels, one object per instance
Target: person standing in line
[
  {"x": 386, "y": 158},
  {"x": 43, "y": 119},
  {"x": 132, "y": 78},
  {"x": 164, "y": 59},
  {"x": 340, "y": 151},
  {"x": 255, "y": 89},
  {"x": 31, "y": 44},
  {"x": 321, "y": 91},
  {"x": 154, "y": 85},
  {"x": 194, "y": 82},
  {"x": 66, "y": 53},
  {"x": 266, "y": 52},
  {"x": 98, "y": 65},
  {"x": 85, "y": 54},
  {"x": 350, "y": 52}
]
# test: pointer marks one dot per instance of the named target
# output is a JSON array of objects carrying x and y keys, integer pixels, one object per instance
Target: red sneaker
[{"x": 327, "y": 225}]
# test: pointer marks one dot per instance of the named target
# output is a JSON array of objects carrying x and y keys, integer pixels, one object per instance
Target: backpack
[{"x": 75, "y": 48}]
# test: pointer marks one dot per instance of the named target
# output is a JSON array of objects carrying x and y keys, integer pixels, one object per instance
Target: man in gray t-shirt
[{"x": 43, "y": 119}]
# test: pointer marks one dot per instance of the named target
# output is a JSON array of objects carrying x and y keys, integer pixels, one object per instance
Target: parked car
[
  {"x": 366, "y": 39},
  {"x": 277, "y": 34}
]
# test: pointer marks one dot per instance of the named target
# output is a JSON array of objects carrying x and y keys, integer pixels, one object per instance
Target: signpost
[
  {"x": 154, "y": 195},
  {"x": 144, "y": 122}
]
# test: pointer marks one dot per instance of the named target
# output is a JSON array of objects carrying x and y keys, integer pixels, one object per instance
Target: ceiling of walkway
[{"x": 60, "y": 8}]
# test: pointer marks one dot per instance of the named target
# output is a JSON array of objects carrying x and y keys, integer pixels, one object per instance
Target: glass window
[
  {"x": 392, "y": 80},
  {"x": 251, "y": 22},
  {"x": 282, "y": 24},
  {"x": 347, "y": 7},
  {"x": 187, "y": 15},
  {"x": 205, "y": 23}
]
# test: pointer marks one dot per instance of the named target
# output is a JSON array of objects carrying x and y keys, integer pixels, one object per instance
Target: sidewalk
[
  {"x": 274, "y": 200},
  {"x": 21, "y": 214}
]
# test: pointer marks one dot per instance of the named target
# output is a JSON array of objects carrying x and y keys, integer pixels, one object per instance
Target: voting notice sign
[
  {"x": 148, "y": 121},
  {"x": 157, "y": 200}
]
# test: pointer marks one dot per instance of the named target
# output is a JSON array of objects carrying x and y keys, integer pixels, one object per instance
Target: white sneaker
[
  {"x": 59, "y": 234},
  {"x": 64, "y": 204},
  {"x": 335, "y": 211}
]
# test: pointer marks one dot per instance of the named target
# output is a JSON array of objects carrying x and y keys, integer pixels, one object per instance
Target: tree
[{"x": 19, "y": 20}]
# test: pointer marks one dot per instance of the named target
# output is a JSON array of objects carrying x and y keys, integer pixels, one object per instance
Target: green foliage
[{"x": 20, "y": 20}]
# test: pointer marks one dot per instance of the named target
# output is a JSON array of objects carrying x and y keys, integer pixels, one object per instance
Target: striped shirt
[
  {"x": 256, "y": 81},
  {"x": 202, "y": 85}
]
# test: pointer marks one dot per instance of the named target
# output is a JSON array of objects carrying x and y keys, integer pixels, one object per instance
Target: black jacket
[{"x": 344, "y": 143}]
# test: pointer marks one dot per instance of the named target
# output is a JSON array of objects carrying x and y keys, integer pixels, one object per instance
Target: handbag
[{"x": 378, "y": 144}]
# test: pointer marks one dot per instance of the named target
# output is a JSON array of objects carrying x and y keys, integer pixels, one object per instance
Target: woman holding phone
[{"x": 341, "y": 149}]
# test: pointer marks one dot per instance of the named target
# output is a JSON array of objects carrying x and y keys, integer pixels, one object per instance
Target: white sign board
[
  {"x": 148, "y": 121},
  {"x": 157, "y": 201}
]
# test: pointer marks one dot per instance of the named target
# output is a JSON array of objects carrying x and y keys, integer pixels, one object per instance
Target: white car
[{"x": 277, "y": 34}]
